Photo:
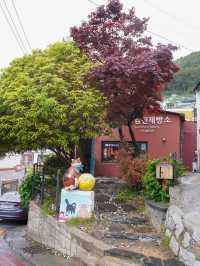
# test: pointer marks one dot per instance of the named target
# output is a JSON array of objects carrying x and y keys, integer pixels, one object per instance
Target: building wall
[
  {"x": 198, "y": 125},
  {"x": 189, "y": 143},
  {"x": 162, "y": 138}
]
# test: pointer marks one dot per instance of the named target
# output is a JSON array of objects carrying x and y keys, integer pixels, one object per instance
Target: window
[
  {"x": 143, "y": 146},
  {"x": 110, "y": 150}
]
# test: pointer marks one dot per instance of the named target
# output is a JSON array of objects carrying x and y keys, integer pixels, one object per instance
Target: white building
[{"x": 12, "y": 173}]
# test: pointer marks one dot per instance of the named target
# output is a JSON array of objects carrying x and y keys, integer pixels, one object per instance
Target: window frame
[{"x": 118, "y": 142}]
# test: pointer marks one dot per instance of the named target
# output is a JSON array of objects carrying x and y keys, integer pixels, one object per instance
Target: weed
[
  {"x": 126, "y": 195},
  {"x": 48, "y": 207},
  {"x": 81, "y": 221}
]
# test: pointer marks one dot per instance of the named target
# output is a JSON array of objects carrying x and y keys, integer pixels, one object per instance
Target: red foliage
[{"x": 132, "y": 169}]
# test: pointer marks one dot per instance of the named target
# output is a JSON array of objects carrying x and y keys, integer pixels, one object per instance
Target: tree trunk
[
  {"x": 121, "y": 134},
  {"x": 133, "y": 140}
]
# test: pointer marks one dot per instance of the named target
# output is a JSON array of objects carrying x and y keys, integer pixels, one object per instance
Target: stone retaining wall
[
  {"x": 183, "y": 220},
  {"x": 70, "y": 241},
  {"x": 157, "y": 213}
]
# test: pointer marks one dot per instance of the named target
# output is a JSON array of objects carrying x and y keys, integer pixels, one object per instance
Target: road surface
[{"x": 7, "y": 256}]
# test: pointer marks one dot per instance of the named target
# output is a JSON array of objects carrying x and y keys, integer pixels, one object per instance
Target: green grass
[
  {"x": 126, "y": 195},
  {"x": 165, "y": 242},
  {"x": 46, "y": 207},
  {"x": 81, "y": 221}
]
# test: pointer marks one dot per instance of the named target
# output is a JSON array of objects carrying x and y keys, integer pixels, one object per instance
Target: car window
[{"x": 11, "y": 197}]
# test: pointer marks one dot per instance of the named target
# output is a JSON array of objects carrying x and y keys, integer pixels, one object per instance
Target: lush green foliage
[
  {"x": 52, "y": 163},
  {"x": 152, "y": 187},
  {"x": 188, "y": 76},
  {"x": 25, "y": 189},
  {"x": 44, "y": 103}
]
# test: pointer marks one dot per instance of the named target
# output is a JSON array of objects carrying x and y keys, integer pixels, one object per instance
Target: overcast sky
[{"x": 47, "y": 21}]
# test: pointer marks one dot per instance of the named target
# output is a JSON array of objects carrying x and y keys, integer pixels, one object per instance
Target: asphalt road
[{"x": 7, "y": 256}]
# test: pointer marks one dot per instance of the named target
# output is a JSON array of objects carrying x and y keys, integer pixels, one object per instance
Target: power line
[
  {"x": 170, "y": 15},
  {"x": 21, "y": 24},
  {"x": 11, "y": 27},
  {"x": 157, "y": 35},
  {"x": 92, "y": 2},
  {"x": 168, "y": 40},
  {"x": 15, "y": 27}
]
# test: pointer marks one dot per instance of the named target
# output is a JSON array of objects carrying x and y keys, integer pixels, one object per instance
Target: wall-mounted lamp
[{"x": 164, "y": 140}]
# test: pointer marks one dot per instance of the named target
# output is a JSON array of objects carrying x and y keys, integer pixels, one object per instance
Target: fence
[{"x": 48, "y": 186}]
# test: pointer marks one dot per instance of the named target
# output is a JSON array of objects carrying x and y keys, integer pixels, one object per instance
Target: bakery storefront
[{"x": 158, "y": 135}]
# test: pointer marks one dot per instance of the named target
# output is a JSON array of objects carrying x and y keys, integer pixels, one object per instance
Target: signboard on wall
[
  {"x": 164, "y": 171},
  {"x": 150, "y": 123}
]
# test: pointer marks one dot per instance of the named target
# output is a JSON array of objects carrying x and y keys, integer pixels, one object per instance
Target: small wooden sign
[{"x": 164, "y": 171}]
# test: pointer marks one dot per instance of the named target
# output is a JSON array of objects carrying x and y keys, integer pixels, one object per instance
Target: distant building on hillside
[{"x": 189, "y": 112}]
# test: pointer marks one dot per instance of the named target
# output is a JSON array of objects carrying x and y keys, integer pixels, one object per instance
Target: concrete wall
[{"x": 69, "y": 241}]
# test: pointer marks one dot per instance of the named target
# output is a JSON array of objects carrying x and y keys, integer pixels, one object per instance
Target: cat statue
[{"x": 71, "y": 176}]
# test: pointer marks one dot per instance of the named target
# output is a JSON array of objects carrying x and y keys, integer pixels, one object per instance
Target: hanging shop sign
[
  {"x": 164, "y": 170},
  {"x": 150, "y": 123}
]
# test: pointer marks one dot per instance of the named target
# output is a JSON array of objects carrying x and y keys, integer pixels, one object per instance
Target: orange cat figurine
[{"x": 70, "y": 180}]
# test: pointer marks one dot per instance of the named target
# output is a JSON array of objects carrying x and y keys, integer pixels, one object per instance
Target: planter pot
[{"x": 157, "y": 213}]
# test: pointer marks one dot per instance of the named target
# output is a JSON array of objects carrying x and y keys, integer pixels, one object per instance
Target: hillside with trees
[{"x": 188, "y": 76}]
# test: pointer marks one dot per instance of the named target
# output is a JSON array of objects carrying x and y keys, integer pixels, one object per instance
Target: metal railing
[{"x": 43, "y": 190}]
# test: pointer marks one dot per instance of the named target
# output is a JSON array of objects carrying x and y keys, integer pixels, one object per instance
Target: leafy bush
[
  {"x": 133, "y": 169},
  {"x": 52, "y": 163},
  {"x": 25, "y": 189},
  {"x": 153, "y": 187}
]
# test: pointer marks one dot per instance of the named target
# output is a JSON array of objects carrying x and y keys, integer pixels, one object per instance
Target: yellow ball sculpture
[{"x": 86, "y": 182}]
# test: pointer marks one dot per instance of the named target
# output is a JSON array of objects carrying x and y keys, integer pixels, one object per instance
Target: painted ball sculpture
[{"x": 86, "y": 182}]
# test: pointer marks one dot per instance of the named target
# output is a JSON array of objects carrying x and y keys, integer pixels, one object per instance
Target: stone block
[
  {"x": 187, "y": 257},
  {"x": 174, "y": 220},
  {"x": 174, "y": 245},
  {"x": 73, "y": 247},
  {"x": 196, "y": 251},
  {"x": 186, "y": 240},
  {"x": 157, "y": 213}
]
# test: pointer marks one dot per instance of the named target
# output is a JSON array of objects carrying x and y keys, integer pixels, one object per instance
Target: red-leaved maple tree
[{"x": 129, "y": 69}]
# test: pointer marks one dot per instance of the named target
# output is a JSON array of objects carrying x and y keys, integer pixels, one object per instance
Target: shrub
[
  {"x": 25, "y": 189},
  {"x": 52, "y": 163},
  {"x": 153, "y": 187},
  {"x": 133, "y": 169}
]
